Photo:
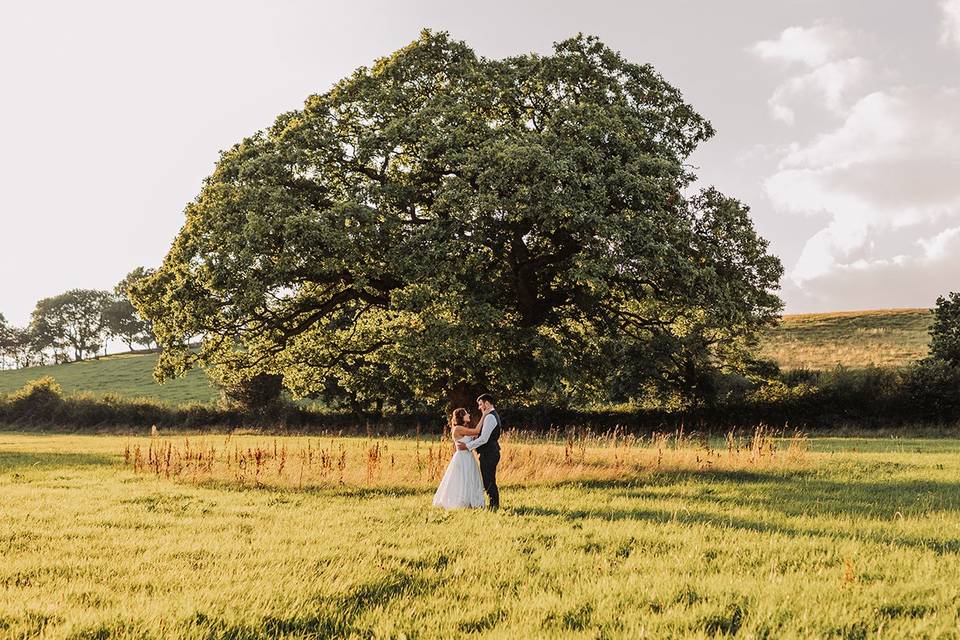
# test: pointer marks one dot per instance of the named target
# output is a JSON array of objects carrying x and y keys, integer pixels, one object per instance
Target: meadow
[
  {"x": 247, "y": 536},
  {"x": 855, "y": 339},
  {"x": 128, "y": 375}
]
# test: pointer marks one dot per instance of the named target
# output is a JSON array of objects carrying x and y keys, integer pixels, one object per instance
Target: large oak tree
[{"x": 441, "y": 222}]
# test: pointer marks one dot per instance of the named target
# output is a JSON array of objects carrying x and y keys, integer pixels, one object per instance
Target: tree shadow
[
  {"x": 667, "y": 478},
  {"x": 792, "y": 493},
  {"x": 331, "y": 491},
  {"x": 779, "y": 495}
]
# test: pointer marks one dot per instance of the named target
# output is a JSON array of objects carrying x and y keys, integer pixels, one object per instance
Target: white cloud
[
  {"x": 882, "y": 183},
  {"x": 950, "y": 26},
  {"x": 812, "y": 46},
  {"x": 899, "y": 281},
  {"x": 884, "y": 177},
  {"x": 828, "y": 82},
  {"x": 831, "y": 73},
  {"x": 872, "y": 128},
  {"x": 939, "y": 246}
]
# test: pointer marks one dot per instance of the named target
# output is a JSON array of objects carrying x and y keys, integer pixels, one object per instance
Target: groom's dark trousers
[{"x": 488, "y": 473}]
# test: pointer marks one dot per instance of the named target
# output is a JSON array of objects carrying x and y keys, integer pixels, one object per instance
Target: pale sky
[{"x": 837, "y": 121}]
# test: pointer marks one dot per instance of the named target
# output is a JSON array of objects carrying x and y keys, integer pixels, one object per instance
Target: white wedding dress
[{"x": 461, "y": 486}]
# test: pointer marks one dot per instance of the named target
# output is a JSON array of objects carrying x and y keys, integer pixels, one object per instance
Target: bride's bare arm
[
  {"x": 474, "y": 431},
  {"x": 463, "y": 430}
]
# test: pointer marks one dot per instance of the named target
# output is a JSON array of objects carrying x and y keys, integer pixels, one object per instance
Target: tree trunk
[{"x": 463, "y": 395}]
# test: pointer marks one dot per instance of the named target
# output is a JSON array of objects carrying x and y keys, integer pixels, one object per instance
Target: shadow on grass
[
  {"x": 17, "y": 461},
  {"x": 667, "y": 478},
  {"x": 324, "y": 617},
  {"x": 779, "y": 495},
  {"x": 790, "y": 493},
  {"x": 331, "y": 490}
]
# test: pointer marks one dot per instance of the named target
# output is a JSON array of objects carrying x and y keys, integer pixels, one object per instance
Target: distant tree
[
  {"x": 945, "y": 332},
  {"x": 6, "y": 337},
  {"x": 45, "y": 338},
  {"x": 123, "y": 322},
  {"x": 121, "y": 317},
  {"x": 21, "y": 348},
  {"x": 441, "y": 221},
  {"x": 75, "y": 319}
]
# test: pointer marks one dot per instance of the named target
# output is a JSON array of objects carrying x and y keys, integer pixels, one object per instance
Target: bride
[{"x": 461, "y": 485}]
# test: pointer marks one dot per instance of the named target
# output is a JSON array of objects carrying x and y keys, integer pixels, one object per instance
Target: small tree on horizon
[
  {"x": 6, "y": 338},
  {"x": 21, "y": 348},
  {"x": 74, "y": 320},
  {"x": 121, "y": 317}
]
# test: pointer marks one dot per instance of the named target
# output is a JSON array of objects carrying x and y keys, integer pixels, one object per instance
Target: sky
[{"x": 838, "y": 122}]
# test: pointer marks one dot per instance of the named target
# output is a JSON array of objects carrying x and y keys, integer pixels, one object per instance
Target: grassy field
[
  {"x": 597, "y": 538},
  {"x": 127, "y": 375},
  {"x": 891, "y": 337}
]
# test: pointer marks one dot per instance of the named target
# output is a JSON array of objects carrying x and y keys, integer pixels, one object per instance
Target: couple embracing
[{"x": 463, "y": 484}]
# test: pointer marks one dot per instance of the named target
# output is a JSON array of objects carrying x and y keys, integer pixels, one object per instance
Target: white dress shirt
[{"x": 489, "y": 424}]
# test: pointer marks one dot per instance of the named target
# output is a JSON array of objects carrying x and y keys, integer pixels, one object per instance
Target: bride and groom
[{"x": 463, "y": 484}]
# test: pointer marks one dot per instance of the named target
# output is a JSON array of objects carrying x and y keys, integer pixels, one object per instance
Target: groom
[{"x": 487, "y": 445}]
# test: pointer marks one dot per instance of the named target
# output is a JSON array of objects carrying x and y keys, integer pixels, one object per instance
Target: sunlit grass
[
  {"x": 125, "y": 375},
  {"x": 249, "y": 460},
  {"x": 844, "y": 537},
  {"x": 886, "y": 338}
]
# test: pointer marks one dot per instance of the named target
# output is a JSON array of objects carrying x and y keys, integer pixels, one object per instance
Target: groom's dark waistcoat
[{"x": 492, "y": 445}]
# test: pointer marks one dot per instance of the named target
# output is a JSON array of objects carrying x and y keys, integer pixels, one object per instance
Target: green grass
[
  {"x": 861, "y": 540},
  {"x": 127, "y": 375},
  {"x": 892, "y": 337}
]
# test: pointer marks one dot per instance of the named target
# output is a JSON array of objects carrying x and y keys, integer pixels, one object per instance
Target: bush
[
  {"x": 934, "y": 389},
  {"x": 38, "y": 401},
  {"x": 260, "y": 396}
]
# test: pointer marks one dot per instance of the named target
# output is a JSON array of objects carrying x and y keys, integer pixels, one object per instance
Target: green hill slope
[
  {"x": 889, "y": 337},
  {"x": 892, "y": 337},
  {"x": 129, "y": 375}
]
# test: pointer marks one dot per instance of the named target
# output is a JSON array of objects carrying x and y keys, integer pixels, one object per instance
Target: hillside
[
  {"x": 890, "y": 337},
  {"x": 129, "y": 375}
]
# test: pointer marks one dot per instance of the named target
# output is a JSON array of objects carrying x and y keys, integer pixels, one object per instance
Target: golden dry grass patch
[{"x": 305, "y": 462}]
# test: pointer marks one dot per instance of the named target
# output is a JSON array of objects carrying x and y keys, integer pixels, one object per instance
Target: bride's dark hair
[{"x": 459, "y": 418}]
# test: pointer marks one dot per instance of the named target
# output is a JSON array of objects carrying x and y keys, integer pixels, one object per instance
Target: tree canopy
[
  {"x": 6, "y": 340},
  {"x": 441, "y": 222},
  {"x": 71, "y": 320},
  {"x": 121, "y": 318}
]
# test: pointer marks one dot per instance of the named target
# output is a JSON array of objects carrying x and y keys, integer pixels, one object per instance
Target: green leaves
[
  {"x": 945, "y": 332},
  {"x": 75, "y": 319},
  {"x": 441, "y": 220}
]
